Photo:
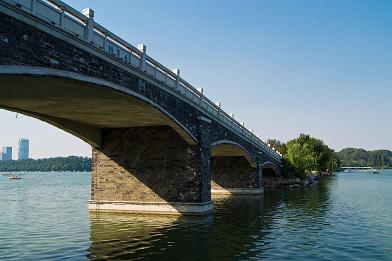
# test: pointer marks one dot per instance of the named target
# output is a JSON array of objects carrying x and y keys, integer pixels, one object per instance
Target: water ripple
[{"x": 44, "y": 217}]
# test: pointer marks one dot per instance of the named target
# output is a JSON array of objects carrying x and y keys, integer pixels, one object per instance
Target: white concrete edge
[
  {"x": 43, "y": 71},
  {"x": 174, "y": 208},
  {"x": 238, "y": 191}
]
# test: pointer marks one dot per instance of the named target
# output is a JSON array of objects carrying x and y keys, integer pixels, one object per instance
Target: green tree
[
  {"x": 278, "y": 145},
  {"x": 306, "y": 154}
]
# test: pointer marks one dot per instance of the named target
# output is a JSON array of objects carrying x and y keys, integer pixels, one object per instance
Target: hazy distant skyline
[{"x": 283, "y": 67}]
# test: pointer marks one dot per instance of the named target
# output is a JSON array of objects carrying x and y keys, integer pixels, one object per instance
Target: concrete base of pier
[
  {"x": 237, "y": 191},
  {"x": 197, "y": 209}
]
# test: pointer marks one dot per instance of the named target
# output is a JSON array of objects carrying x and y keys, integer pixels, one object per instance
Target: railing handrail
[{"x": 88, "y": 23}]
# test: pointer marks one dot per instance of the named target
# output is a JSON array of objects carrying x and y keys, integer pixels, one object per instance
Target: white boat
[{"x": 14, "y": 177}]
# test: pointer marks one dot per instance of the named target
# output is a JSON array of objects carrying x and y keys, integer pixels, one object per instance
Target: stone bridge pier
[{"x": 151, "y": 170}]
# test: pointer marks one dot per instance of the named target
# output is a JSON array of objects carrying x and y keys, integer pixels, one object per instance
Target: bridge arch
[
  {"x": 79, "y": 104},
  {"x": 269, "y": 169},
  {"x": 233, "y": 169},
  {"x": 222, "y": 148},
  {"x": 270, "y": 173}
]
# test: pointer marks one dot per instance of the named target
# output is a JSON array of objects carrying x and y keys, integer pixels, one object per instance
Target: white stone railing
[{"x": 82, "y": 26}]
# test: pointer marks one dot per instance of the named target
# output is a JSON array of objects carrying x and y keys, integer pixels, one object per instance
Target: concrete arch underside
[{"x": 80, "y": 105}]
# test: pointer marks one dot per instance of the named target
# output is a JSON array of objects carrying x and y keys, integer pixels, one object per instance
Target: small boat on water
[
  {"x": 360, "y": 169},
  {"x": 14, "y": 177}
]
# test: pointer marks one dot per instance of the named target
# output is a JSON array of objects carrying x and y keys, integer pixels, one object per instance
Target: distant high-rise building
[
  {"x": 23, "y": 152},
  {"x": 6, "y": 153}
]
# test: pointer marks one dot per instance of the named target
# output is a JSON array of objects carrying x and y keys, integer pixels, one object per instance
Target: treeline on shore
[
  {"x": 352, "y": 157},
  {"x": 305, "y": 156},
  {"x": 71, "y": 163}
]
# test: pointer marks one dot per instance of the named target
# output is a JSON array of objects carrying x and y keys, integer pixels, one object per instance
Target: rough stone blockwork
[
  {"x": 233, "y": 172},
  {"x": 149, "y": 164}
]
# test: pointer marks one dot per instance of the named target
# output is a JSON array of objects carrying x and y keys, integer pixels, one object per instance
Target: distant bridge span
[{"x": 159, "y": 145}]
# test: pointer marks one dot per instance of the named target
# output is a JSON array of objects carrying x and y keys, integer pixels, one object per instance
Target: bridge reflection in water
[{"x": 242, "y": 227}]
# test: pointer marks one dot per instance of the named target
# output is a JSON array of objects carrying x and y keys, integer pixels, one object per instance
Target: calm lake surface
[{"x": 348, "y": 217}]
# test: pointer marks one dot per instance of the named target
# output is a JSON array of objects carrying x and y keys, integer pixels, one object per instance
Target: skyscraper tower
[
  {"x": 23, "y": 152},
  {"x": 7, "y": 153}
]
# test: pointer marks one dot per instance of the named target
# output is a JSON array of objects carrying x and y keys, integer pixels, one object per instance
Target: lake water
[{"x": 44, "y": 216}]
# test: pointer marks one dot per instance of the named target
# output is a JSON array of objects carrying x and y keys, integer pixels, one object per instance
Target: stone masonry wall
[
  {"x": 148, "y": 164},
  {"x": 233, "y": 172}
]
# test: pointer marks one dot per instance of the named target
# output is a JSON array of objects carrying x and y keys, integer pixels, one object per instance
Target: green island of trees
[
  {"x": 71, "y": 163},
  {"x": 351, "y": 157},
  {"x": 304, "y": 155}
]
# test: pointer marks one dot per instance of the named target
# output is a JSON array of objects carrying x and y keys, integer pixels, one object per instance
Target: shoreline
[{"x": 296, "y": 183}]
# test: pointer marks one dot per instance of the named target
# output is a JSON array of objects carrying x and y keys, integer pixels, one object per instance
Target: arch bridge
[{"x": 158, "y": 144}]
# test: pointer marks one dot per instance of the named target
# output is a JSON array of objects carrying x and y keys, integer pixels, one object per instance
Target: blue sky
[{"x": 283, "y": 67}]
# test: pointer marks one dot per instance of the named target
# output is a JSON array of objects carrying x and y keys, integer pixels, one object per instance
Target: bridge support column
[
  {"x": 234, "y": 175},
  {"x": 150, "y": 170}
]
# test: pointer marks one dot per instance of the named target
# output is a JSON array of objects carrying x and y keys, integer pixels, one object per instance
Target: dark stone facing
[
  {"x": 233, "y": 172},
  {"x": 149, "y": 164}
]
